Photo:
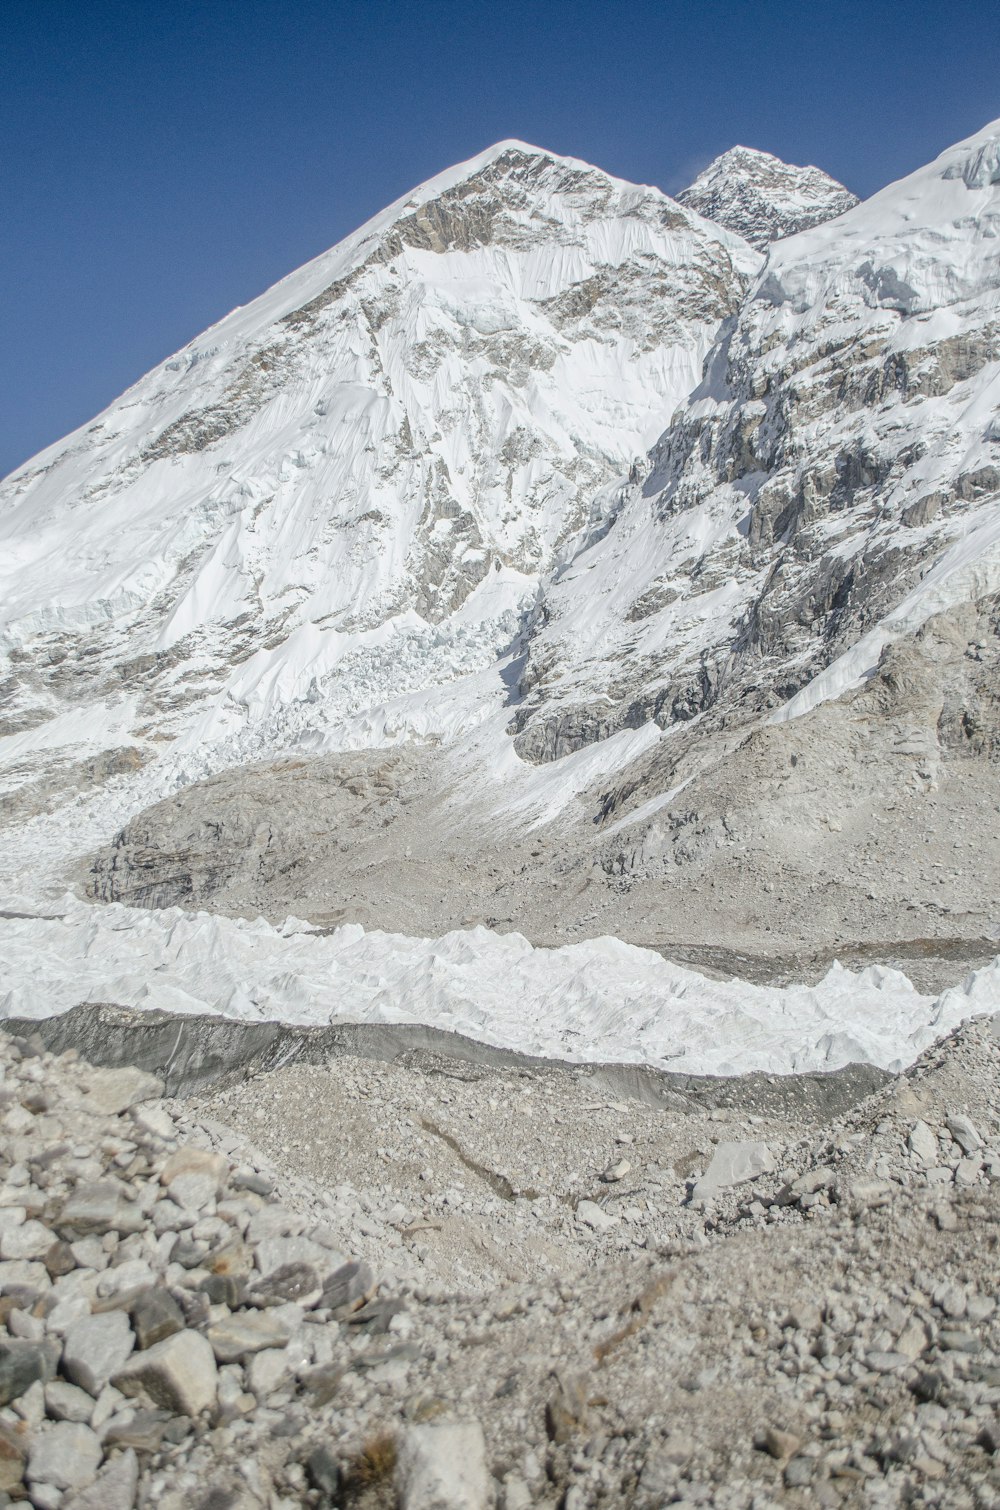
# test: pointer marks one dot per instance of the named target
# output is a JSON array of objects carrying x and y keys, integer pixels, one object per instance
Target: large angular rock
[
  {"x": 179, "y": 1373},
  {"x": 26, "y": 1240},
  {"x": 109, "y": 1092},
  {"x": 189, "y": 1160},
  {"x": 923, "y": 1144},
  {"x": 95, "y": 1349},
  {"x": 66, "y": 1455},
  {"x": 113, "y": 1489},
  {"x": 350, "y": 1286},
  {"x": 281, "y": 1252},
  {"x": 237, "y": 1337},
  {"x": 97, "y": 1208},
  {"x": 443, "y": 1468},
  {"x": 155, "y": 1316},
  {"x": 732, "y": 1164},
  {"x": 22, "y": 1364},
  {"x": 963, "y": 1131}
]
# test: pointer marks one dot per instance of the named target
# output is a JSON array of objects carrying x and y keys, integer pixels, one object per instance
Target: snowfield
[{"x": 601, "y": 1000}]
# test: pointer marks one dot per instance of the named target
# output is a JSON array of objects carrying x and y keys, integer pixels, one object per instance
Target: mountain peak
[{"x": 762, "y": 198}]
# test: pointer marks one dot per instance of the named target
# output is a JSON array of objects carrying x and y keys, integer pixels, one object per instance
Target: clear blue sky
[{"x": 163, "y": 161}]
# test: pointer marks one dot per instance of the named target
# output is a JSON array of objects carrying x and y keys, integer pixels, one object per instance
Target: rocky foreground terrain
[{"x": 434, "y": 1283}]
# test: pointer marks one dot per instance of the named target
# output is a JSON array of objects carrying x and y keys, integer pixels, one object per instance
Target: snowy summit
[{"x": 764, "y": 199}]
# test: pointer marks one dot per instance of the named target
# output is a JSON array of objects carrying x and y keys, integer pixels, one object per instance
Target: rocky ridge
[{"x": 361, "y": 1284}]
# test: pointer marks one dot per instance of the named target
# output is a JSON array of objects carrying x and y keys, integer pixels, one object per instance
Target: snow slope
[
  {"x": 369, "y": 467},
  {"x": 764, "y": 199}
]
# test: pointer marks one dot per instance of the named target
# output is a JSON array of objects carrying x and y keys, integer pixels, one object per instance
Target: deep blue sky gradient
[{"x": 164, "y": 162}]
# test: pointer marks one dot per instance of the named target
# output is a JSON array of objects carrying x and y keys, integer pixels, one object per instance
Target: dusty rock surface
[
  {"x": 853, "y": 833},
  {"x": 306, "y": 1286}
]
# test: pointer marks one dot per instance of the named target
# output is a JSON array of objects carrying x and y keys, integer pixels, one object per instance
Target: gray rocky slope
[{"x": 436, "y": 1285}]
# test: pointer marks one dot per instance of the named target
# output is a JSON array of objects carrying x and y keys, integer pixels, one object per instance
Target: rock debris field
[{"x": 434, "y": 1284}]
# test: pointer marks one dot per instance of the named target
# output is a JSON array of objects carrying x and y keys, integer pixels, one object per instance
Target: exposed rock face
[
  {"x": 832, "y": 483},
  {"x": 764, "y": 199}
]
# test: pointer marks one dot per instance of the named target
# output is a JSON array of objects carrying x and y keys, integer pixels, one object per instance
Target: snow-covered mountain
[
  {"x": 764, "y": 199},
  {"x": 669, "y": 572},
  {"x": 352, "y": 486}
]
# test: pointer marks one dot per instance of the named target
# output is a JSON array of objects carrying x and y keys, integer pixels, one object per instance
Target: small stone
[
  {"x": 238, "y": 1336},
  {"x": 298, "y": 1282},
  {"x": 114, "y": 1488},
  {"x": 249, "y": 1179},
  {"x": 798, "y": 1473},
  {"x": 59, "y": 1260},
  {"x": 13, "y": 1454},
  {"x": 23, "y": 1324},
  {"x": 616, "y": 1172},
  {"x": 929, "y": 1386},
  {"x": 22, "y": 1364},
  {"x": 349, "y": 1287},
  {"x": 913, "y": 1339},
  {"x": 885, "y": 1363},
  {"x": 443, "y": 1467},
  {"x": 989, "y": 1435},
  {"x": 951, "y": 1299},
  {"x": 155, "y": 1315},
  {"x": 95, "y": 1349},
  {"x": 870, "y": 1194},
  {"x": 780, "y": 1444},
  {"x": 958, "y": 1340},
  {"x": 323, "y": 1472},
  {"x": 233, "y": 1260},
  {"x": 193, "y": 1191},
  {"x": 66, "y": 1455},
  {"x": 142, "y": 1432},
  {"x": 566, "y": 1412},
  {"x": 593, "y": 1216},
  {"x": 109, "y": 1092},
  {"x": 266, "y": 1370},
  {"x": 980, "y": 1308},
  {"x": 967, "y": 1172},
  {"x": 945, "y": 1218},
  {"x": 814, "y": 1180},
  {"x": 179, "y": 1373},
  {"x": 154, "y": 1120},
  {"x": 224, "y": 1289}
]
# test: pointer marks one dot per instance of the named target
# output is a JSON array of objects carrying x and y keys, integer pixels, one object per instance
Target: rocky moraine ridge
[{"x": 254, "y": 1295}]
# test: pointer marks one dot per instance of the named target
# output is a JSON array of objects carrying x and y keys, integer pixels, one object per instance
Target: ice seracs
[{"x": 764, "y": 199}]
